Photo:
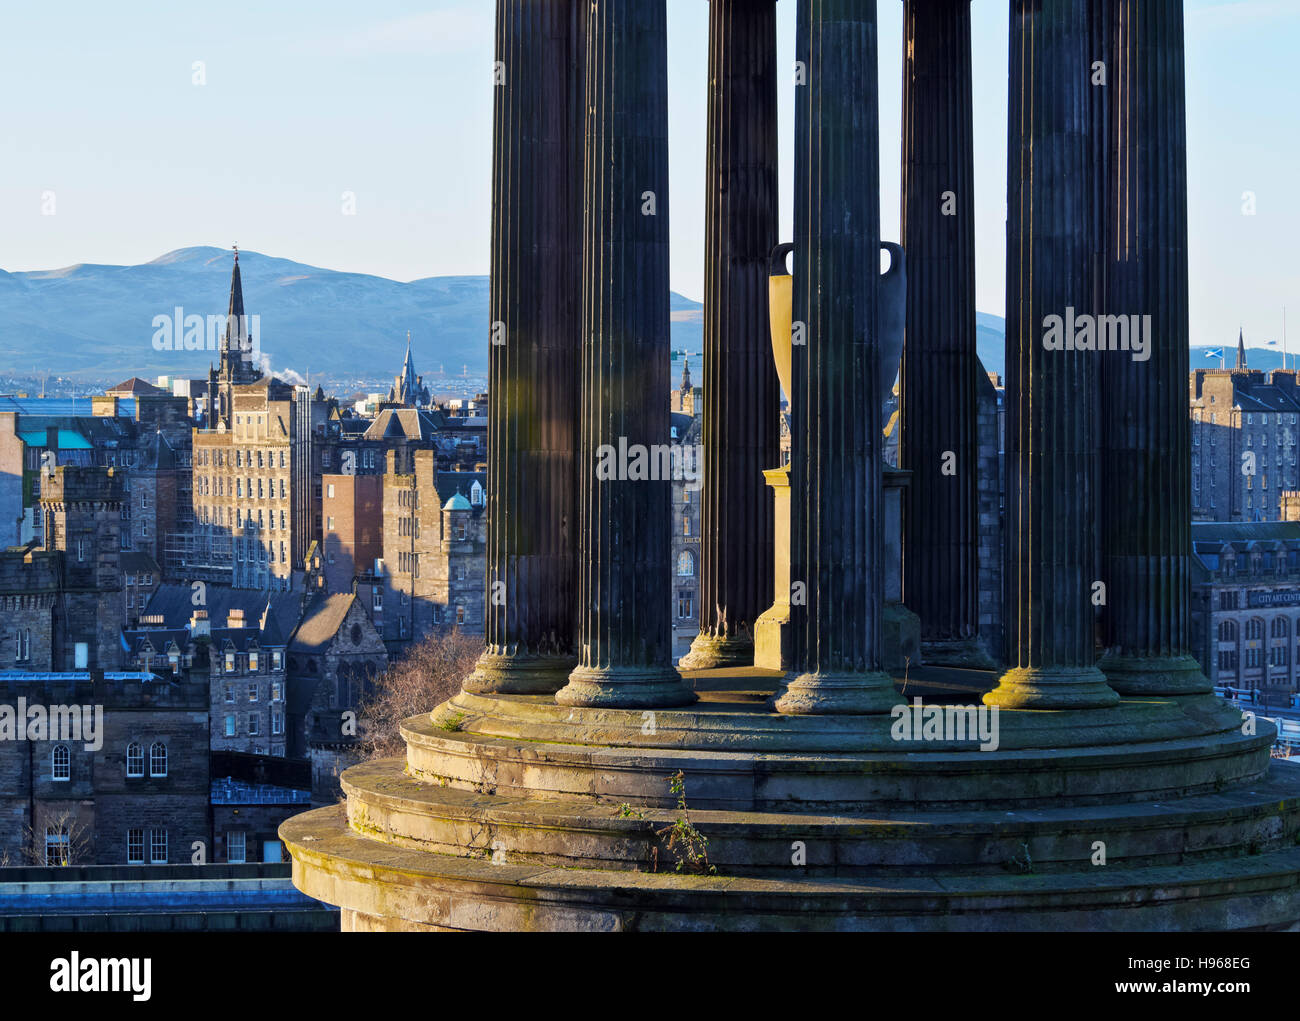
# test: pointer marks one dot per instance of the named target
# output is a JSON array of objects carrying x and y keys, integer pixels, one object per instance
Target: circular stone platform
[{"x": 512, "y": 812}]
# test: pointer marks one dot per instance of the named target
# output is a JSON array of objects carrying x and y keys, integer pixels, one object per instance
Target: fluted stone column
[
  {"x": 534, "y": 348},
  {"x": 1051, "y": 394},
  {"x": 836, "y": 521},
  {"x": 1146, "y": 465},
  {"x": 940, "y": 372},
  {"x": 625, "y": 633},
  {"x": 741, "y": 395}
]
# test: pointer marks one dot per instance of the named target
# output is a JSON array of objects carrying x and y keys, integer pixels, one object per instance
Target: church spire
[
  {"x": 1241, "y": 350},
  {"x": 686, "y": 376},
  {"x": 408, "y": 388},
  {"x": 236, "y": 346}
]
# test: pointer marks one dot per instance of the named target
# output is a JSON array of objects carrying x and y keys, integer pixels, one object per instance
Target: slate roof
[
  {"x": 401, "y": 423},
  {"x": 135, "y": 562},
  {"x": 174, "y": 602},
  {"x": 135, "y": 386},
  {"x": 450, "y": 483},
  {"x": 321, "y": 622}
]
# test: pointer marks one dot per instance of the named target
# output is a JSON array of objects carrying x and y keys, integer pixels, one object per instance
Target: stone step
[
  {"x": 443, "y": 747},
  {"x": 386, "y": 804},
  {"x": 381, "y": 885}
]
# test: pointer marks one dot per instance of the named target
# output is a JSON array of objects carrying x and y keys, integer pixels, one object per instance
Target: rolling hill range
[{"x": 98, "y": 319}]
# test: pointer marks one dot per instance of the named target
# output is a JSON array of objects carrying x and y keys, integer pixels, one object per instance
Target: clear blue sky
[{"x": 391, "y": 100}]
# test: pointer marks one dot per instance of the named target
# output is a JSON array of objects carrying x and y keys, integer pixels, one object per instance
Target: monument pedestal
[
  {"x": 772, "y": 630},
  {"x": 513, "y": 813},
  {"x": 900, "y": 628}
]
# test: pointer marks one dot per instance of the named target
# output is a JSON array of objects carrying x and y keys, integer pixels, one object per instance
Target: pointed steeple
[
  {"x": 686, "y": 376},
  {"x": 236, "y": 346},
  {"x": 1241, "y": 351},
  {"x": 407, "y": 388}
]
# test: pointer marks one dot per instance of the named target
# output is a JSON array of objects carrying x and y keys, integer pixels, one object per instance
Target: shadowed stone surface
[
  {"x": 940, "y": 369},
  {"x": 741, "y": 396},
  {"x": 1051, "y": 398},
  {"x": 535, "y": 348},
  {"x": 835, "y": 483},
  {"x": 625, "y": 632},
  {"x": 1146, "y": 470}
]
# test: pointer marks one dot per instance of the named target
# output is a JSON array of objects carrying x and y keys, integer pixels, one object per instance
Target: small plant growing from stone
[
  {"x": 452, "y": 723},
  {"x": 688, "y": 846}
]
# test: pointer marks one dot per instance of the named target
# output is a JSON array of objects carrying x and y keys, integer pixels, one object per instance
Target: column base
[
  {"x": 1155, "y": 675},
  {"x": 623, "y": 687},
  {"x": 963, "y": 653},
  {"x": 819, "y": 694},
  {"x": 710, "y": 651},
  {"x": 519, "y": 674},
  {"x": 1052, "y": 688}
]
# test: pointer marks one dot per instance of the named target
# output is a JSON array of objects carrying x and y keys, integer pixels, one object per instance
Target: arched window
[
  {"x": 1228, "y": 631},
  {"x": 134, "y": 759},
  {"x": 60, "y": 763},
  {"x": 686, "y": 566},
  {"x": 157, "y": 759},
  {"x": 1281, "y": 627},
  {"x": 1254, "y": 629}
]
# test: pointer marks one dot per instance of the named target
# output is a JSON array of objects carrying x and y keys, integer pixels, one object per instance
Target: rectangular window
[
  {"x": 253, "y": 726},
  {"x": 230, "y": 726},
  {"x": 235, "y": 847},
  {"x": 135, "y": 847},
  {"x": 276, "y": 691},
  {"x": 276, "y": 660},
  {"x": 277, "y": 724},
  {"x": 58, "y": 849},
  {"x": 230, "y": 662},
  {"x": 230, "y": 693},
  {"x": 252, "y": 661},
  {"x": 158, "y": 847}
]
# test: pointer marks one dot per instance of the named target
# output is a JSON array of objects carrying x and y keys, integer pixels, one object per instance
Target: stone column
[
  {"x": 1051, "y": 393},
  {"x": 625, "y": 497},
  {"x": 534, "y": 348},
  {"x": 837, "y": 555},
  {"x": 741, "y": 396},
  {"x": 1146, "y": 480},
  {"x": 940, "y": 372}
]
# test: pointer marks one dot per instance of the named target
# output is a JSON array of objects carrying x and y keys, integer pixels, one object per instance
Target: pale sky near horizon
[{"x": 391, "y": 101}]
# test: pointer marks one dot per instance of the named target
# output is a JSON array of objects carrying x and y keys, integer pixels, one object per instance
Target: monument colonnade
[{"x": 1097, "y": 500}]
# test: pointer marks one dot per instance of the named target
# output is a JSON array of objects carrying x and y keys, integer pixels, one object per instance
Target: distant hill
[{"x": 99, "y": 319}]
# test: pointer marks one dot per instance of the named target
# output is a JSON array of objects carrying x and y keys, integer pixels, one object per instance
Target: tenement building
[
  {"x": 1245, "y": 429},
  {"x": 240, "y": 661},
  {"x": 63, "y": 601},
  {"x": 133, "y": 792},
  {"x": 257, "y": 467},
  {"x": 1246, "y": 604},
  {"x": 434, "y": 548}
]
